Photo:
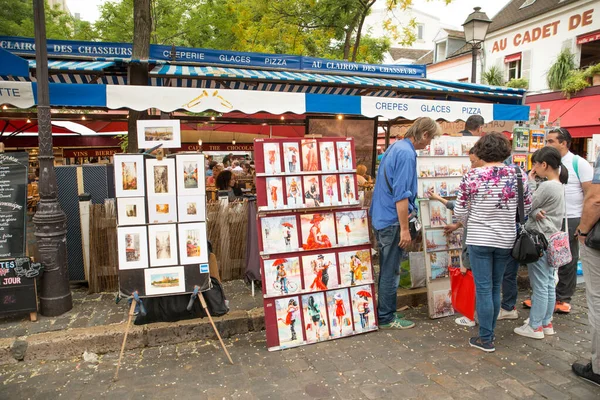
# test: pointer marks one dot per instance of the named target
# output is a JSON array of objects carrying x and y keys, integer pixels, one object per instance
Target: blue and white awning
[{"x": 76, "y": 66}]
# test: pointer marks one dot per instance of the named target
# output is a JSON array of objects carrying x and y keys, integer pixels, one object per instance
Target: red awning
[
  {"x": 588, "y": 37},
  {"x": 581, "y": 115},
  {"x": 512, "y": 57}
]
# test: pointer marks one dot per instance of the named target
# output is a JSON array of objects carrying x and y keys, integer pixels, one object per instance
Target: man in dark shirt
[{"x": 473, "y": 126}]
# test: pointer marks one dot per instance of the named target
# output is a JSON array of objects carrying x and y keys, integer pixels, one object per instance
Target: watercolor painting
[
  {"x": 160, "y": 177},
  {"x": 348, "y": 185},
  {"x": 279, "y": 234},
  {"x": 363, "y": 310},
  {"x": 163, "y": 281},
  {"x": 191, "y": 208},
  {"x": 291, "y": 155},
  {"x": 439, "y": 262},
  {"x": 162, "y": 209},
  {"x": 274, "y": 192},
  {"x": 129, "y": 175},
  {"x": 441, "y": 170},
  {"x": 467, "y": 144},
  {"x": 426, "y": 170},
  {"x": 282, "y": 276},
  {"x": 328, "y": 157},
  {"x": 352, "y": 227},
  {"x": 455, "y": 240},
  {"x": 331, "y": 196},
  {"x": 312, "y": 192},
  {"x": 289, "y": 323},
  {"x": 428, "y": 186},
  {"x": 272, "y": 158},
  {"x": 314, "y": 309},
  {"x": 190, "y": 174},
  {"x": 340, "y": 312},
  {"x": 441, "y": 188},
  {"x": 310, "y": 158},
  {"x": 439, "y": 147},
  {"x": 162, "y": 240},
  {"x": 436, "y": 240},
  {"x": 133, "y": 252},
  {"x": 294, "y": 193},
  {"x": 152, "y": 132},
  {"x": 131, "y": 211},
  {"x": 454, "y": 147},
  {"x": 320, "y": 272},
  {"x": 438, "y": 214},
  {"x": 344, "y": 156},
  {"x": 355, "y": 267},
  {"x": 442, "y": 303},
  {"x": 193, "y": 246},
  {"x": 318, "y": 231}
]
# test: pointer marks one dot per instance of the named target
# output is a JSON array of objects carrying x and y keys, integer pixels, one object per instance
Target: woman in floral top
[{"x": 487, "y": 205}]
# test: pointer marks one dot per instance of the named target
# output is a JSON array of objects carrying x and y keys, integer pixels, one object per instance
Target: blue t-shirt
[{"x": 400, "y": 163}]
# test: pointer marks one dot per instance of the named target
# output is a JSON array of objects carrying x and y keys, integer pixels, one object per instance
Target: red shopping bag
[{"x": 463, "y": 292}]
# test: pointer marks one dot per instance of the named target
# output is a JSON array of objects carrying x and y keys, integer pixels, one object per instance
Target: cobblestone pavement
[{"x": 431, "y": 361}]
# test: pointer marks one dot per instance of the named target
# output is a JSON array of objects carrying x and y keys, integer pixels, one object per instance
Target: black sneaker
[
  {"x": 476, "y": 342},
  {"x": 586, "y": 372}
]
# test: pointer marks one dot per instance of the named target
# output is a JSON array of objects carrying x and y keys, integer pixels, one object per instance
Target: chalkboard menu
[
  {"x": 13, "y": 203},
  {"x": 17, "y": 285}
]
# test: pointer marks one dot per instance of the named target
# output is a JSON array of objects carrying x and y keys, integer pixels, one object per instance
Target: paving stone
[
  {"x": 515, "y": 388},
  {"x": 476, "y": 380},
  {"x": 549, "y": 392}
]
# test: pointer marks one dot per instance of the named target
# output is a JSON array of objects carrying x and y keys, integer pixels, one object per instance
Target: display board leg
[
  {"x": 131, "y": 311},
  {"x": 252, "y": 283},
  {"x": 33, "y": 316},
  {"x": 201, "y": 297}
]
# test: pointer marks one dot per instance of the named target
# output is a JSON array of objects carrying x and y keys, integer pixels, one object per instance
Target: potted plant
[
  {"x": 560, "y": 71},
  {"x": 493, "y": 76},
  {"x": 574, "y": 83},
  {"x": 520, "y": 83},
  {"x": 593, "y": 74}
]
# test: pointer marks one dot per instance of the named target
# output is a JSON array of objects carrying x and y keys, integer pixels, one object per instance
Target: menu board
[
  {"x": 13, "y": 203},
  {"x": 17, "y": 285}
]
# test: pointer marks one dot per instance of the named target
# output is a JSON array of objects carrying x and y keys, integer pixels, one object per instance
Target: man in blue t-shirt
[{"x": 393, "y": 202}]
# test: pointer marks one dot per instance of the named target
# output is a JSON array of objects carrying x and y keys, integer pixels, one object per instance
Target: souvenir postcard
[
  {"x": 428, "y": 185},
  {"x": 315, "y": 317},
  {"x": 344, "y": 156},
  {"x": 129, "y": 175},
  {"x": 439, "y": 215},
  {"x": 282, "y": 276},
  {"x": 347, "y": 183},
  {"x": 537, "y": 140},
  {"x": 455, "y": 170},
  {"x": 363, "y": 309},
  {"x": 191, "y": 208},
  {"x": 193, "y": 246},
  {"x": 439, "y": 262},
  {"x": 131, "y": 210},
  {"x": 340, "y": 312},
  {"x": 352, "y": 227},
  {"x": 160, "y": 177},
  {"x": 320, "y": 272},
  {"x": 426, "y": 170},
  {"x": 327, "y": 150},
  {"x": 190, "y": 175},
  {"x": 279, "y": 234},
  {"x": 453, "y": 186},
  {"x": 312, "y": 191},
  {"x": 455, "y": 240},
  {"x": 436, "y": 240},
  {"x": 318, "y": 231},
  {"x": 441, "y": 170},
  {"x": 154, "y": 132},
  {"x": 272, "y": 158},
  {"x": 274, "y": 192},
  {"x": 310, "y": 157},
  {"x": 162, "y": 209},
  {"x": 293, "y": 191},
  {"x": 162, "y": 281},
  {"x": 355, "y": 267},
  {"x": 291, "y": 157},
  {"x": 467, "y": 144},
  {"x": 466, "y": 168},
  {"x": 162, "y": 240},
  {"x": 289, "y": 322},
  {"x": 439, "y": 147},
  {"x": 442, "y": 303},
  {"x": 454, "y": 147},
  {"x": 133, "y": 250},
  {"x": 520, "y": 139},
  {"x": 442, "y": 189},
  {"x": 331, "y": 196}
]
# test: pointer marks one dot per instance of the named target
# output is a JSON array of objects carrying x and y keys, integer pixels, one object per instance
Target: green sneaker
[
  {"x": 399, "y": 315},
  {"x": 398, "y": 323}
]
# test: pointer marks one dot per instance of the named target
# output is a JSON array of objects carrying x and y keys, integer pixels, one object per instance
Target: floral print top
[{"x": 487, "y": 205}]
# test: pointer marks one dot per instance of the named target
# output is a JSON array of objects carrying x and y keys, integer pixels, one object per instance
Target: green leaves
[
  {"x": 560, "y": 70},
  {"x": 493, "y": 76}
]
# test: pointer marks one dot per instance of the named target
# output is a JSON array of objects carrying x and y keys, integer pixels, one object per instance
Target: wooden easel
[
  {"x": 205, "y": 307},
  {"x": 131, "y": 311}
]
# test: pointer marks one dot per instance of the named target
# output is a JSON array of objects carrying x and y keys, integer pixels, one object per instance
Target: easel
[{"x": 135, "y": 300}]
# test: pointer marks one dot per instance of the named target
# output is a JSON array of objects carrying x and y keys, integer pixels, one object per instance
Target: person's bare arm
[
  {"x": 402, "y": 211},
  {"x": 585, "y": 186},
  {"x": 591, "y": 209}
]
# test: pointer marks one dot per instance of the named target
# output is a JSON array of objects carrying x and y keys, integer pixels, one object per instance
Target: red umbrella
[
  {"x": 363, "y": 293},
  {"x": 312, "y": 180},
  {"x": 279, "y": 261},
  {"x": 331, "y": 180},
  {"x": 287, "y": 225}
]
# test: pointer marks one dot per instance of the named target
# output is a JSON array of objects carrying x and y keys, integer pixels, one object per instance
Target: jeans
[
  {"x": 487, "y": 264},
  {"x": 591, "y": 271},
  {"x": 389, "y": 272},
  {"x": 567, "y": 274},
  {"x": 284, "y": 287},
  {"x": 543, "y": 298},
  {"x": 509, "y": 285}
]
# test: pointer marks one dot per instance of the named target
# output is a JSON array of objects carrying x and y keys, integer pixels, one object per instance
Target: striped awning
[{"x": 75, "y": 66}]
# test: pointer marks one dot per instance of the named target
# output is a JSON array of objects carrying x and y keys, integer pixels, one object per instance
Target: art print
[
  {"x": 132, "y": 244},
  {"x": 312, "y": 191},
  {"x": 327, "y": 156},
  {"x": 191, "y": 208},
  {"x": 129, "y": 175},
  {"x": 442, "y": 303},
  {"x": 274, "y": 193},
  {"x": 162, "y": 209},
  {"x": 331, "y": 196},
  {"x": 439, "y": 147},
  {"x": 439, "y": 262},
  {"x": 131, "y": 210},
  {"x": 340, "y": 313},
  {"x": 272, "y": 158},
  {"x": 291, "y": 154},
  {"x": 289, "y": 325},
  {"x": 467, "y": 145},
  {"x": 344, "y": 156},
  {"x": 436, "y": 240},
  {"x": 163, "y": 281},
  {"x": 441, "y": 170},
  {"x": 190, "y": 175},
  {"x": 193, "y": 246},
  {"x": 154, "y": 132},
  {"x": 428, "y": 187},
  {"x": 454, "y": 147},
  {"x": 318, "y": 231},
  {"x": 294, "y": 193},
  {"x": 160, "y": 177},
  {"x": 455, "y": 240},
  {"x": 441, "y": 188},
  {"x": 310, "y": 158},
  {"x": 348, "y": 185},
  {"x": 455, "y": 170},
  {"x": 363, "y": 309},
  {"x": 426, "y": 170},
  {"x": 352, "y": 227},
  {"x": 355, "y": 267},
  {"x": 282, "y": 276},
  {"x": 320, "y": 272},
  {"x": 315, "y": 317},
  {"x": 537, "y": 140},
  {"x": 438, "y": 214},
  {"x": 162, "y": 240},
  {"x": 279, "y": 234}
]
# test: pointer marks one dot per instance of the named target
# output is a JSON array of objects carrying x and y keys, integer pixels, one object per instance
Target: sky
[{"x": 454, "y": 14}]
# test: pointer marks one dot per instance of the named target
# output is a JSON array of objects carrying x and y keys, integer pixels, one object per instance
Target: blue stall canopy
[{"x": 12, "y": 65}]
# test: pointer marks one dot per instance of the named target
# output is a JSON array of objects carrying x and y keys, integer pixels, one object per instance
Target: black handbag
[
  {"x": 530, "y": 245},
  {"x": 592, "y": 240}
]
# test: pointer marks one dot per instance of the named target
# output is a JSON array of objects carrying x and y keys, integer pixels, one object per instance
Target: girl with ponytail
[{"x": 547, "y": 213}]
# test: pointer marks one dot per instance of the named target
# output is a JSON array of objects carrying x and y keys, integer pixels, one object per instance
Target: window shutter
[{"x": 525, "y": 64}]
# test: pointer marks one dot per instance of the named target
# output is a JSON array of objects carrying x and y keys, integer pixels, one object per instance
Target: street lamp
[{"x": 476, "y": 27}]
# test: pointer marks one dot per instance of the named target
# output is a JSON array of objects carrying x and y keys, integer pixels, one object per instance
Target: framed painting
[
  {"x": 439, "y": 147},
  {"x": 191, "y": 208},
  {"x": 131, "y": 210},
  {"x": 320, "y": 272},
  {"x": 129, "y": 175},
  {"x": 291, "y": 157},
  {"x": 279, "y": 234},
  {"x": 310, "y": 158},
  {"x": 439, "y": 262},
  {"x": 190, "y": 174},
  {"x": 162, "y": 240},
  {"x": 162, "y": 209},
  {"x": 193, "y": 246},
  {"x": 344, "y": 156},
  {"x": 282, "y": 276},
  {"x": 132, "y": 244},
  {"x": 160, "y": 177},
  {"x": 436, "y": 240},
  {"x": 355, "y": 267},
  {"x": 272, "y": 157},
  {"x": 293, "y": 192},
  {"x": 274, "y": 193},
  {"x": 340, "y": 313},
  {"x": 348, "y": 187},
  {"x": 352, "y": 227},
  {"x": 152, "y": 132},
  {"x": 439, "y": 215},
  {"x": 327, "y": 150},
  {"x": 312, "y": 191},
  {"x": 289, "y": 322},
  {"x": 442, "y": 303},
  {"x": 163, "y": 281},
  {"x": 363, "y": 309},
  {"x": 331, "y": 196},
  {"x": 314, "y": 309},
  {"x": 318, "y": 231}
]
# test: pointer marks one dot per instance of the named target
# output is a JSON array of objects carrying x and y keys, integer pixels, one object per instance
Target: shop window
[
  {"x": 440, "y": 51},
  {"x": 420, "y": 32},
  {"x": 514, "y": 70},
  {"x": 590, "y": 54}
]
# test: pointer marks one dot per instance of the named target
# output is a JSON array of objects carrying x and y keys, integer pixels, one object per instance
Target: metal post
[
  {"x": 49, "y": 220},
  {"x": 474, "y": 63},
  {"x": 375, "y": 132},
  {"x": 388, "y": 131}
]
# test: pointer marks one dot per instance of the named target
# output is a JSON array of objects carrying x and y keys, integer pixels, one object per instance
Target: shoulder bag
[
  {"x": 559, "y": 250},
  {"x": 592, "y": 240},
  {"x": 529, "y": 245}
]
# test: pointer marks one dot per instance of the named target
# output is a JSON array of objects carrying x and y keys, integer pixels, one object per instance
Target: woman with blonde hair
[
  {"x": 361, "y": 175},
  {"x": 217, "y": 169}
]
